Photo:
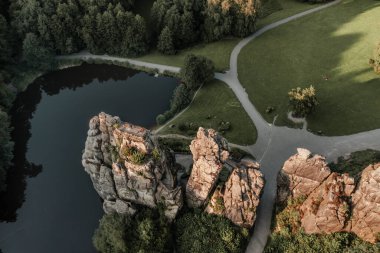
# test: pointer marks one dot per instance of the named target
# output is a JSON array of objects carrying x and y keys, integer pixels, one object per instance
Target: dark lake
[{"x": 50, "y": 205}]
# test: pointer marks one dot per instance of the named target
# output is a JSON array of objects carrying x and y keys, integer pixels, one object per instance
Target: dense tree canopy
[
  {"x": 193, "y": 20},
  {"x": 147, "y": 231},
  {"x": 165, "y": 41},
  {"x": 198, "y": 232},
  {"x": 66, "y": 26},
  {"x": 34, "y": 54}
]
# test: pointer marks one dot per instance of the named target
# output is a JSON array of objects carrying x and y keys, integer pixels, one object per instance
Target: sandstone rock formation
[
  {"x": 365, "y": 221},
  {"x": 238, "y": 198},
  {"x": 128, "y": 167},
  {"x": 327, "y": 208},
  {"x": 334, "y": 202},
  {"x": 301, "y": 174},
  {"x": 210, "y": 151}
]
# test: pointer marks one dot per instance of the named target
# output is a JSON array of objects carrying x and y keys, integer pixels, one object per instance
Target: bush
[
  {"x": 198, "y": 232},
  {"x": 160, "y": 119},
  {"x": 356, "y": 162},
  {"x": 177, "y": 145},
  {"x": 375, "y": 62},
  {"x": 196, "y": 71},
  {"x": 302, "y": 101},
  {"x": 148, "y": 231}
]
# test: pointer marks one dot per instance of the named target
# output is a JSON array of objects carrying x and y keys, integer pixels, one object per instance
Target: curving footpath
[{"x": 274, "y": 144}]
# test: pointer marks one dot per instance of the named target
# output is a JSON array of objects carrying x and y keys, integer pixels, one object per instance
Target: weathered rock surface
[
  {"x": 210, "y": 151},
  {"x": 121, "y": 180},
  {"x": 327, "y": 208},
  {"x": 238, "y": 199},
  {"x": 334, "y": 202},
  {"x": 365, "y": 221},
  {"x": 301, "y": 174}
]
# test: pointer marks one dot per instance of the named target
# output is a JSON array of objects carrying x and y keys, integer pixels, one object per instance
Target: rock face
[
  {"x": 365, "y": 221},
  {"x": 238, "y": 198},
  {"x": 327, "y": 208},
  {"x": 128, "y": 167},
  {"x": 301, "y": 174},
  {"x": 210, "y": 151},
  {"x": 334, "y": 203}
]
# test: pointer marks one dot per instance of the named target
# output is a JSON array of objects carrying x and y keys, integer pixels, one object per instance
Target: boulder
[{"x": 210, "y": 151}]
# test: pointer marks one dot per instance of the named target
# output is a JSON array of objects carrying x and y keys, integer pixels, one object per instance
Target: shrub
[
  {"x": 303, "y": 101},
  {"x": 356, "y": 162},
  {"x": 160, "y": 119},
  {"x": 137, "y": 157},
  {"x": 375, "y": 62},
  {"x": 199, "y": 232},
  {"x": 156, "y": 154}
]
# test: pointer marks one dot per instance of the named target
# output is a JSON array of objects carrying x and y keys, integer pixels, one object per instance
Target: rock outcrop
[
  {"x": 301, "y": 174},
  {"x": 210, "y": 151},
  {"x": 327, "y": 208},
  {"x": 128, "y": 167},
  {"x": 238, "y": 198},
  {"x": 365, "y": 221},
  {"x": 334, "y": 202}
]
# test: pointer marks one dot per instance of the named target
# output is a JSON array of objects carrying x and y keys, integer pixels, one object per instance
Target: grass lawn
[
  {"x": 219, "y": 52},
  {"x": 280, "y": 9},
  {"x": 216, "y": 103},
  {"x": 330, "y": 50}
]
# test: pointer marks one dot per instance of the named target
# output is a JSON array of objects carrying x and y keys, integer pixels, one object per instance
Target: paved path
[
  {"x": 84, "y": 55},
  {"x": 274, "y": 144}
]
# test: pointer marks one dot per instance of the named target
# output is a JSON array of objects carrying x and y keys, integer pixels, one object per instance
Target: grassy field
[
  {"x": 219, "y": 52},
  {"x": 330, "y": 50},
  {"x": 216, "y": 103},
  {"x": 275, "y": 10}
]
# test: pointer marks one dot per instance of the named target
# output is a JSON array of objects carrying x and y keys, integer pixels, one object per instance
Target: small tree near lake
[
  {"x": 196, "y": 71},
  {"x": 302, "y": 101}
]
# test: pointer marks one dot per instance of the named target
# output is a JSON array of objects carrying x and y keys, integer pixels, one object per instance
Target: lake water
[{"x": 50, "y": 205}]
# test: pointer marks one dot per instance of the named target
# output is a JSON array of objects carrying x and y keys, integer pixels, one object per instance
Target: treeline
[
  {"x": 149, "y": 231},
  {"x": 180, "y": 23},
  {"x": 6, "y": 97},
  {"x": 67, "y": 26}
]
